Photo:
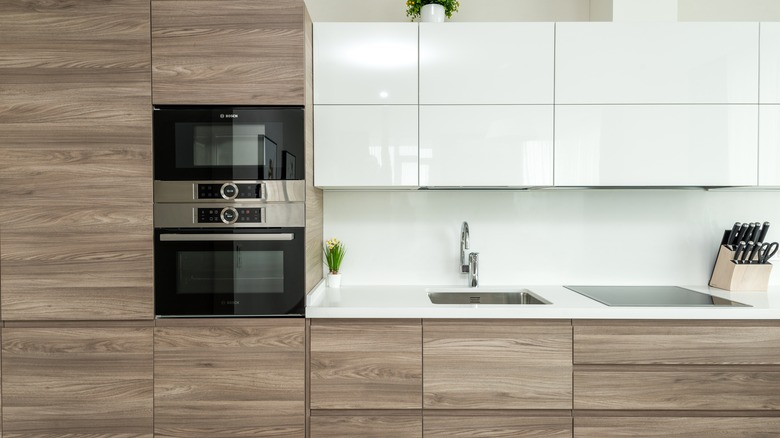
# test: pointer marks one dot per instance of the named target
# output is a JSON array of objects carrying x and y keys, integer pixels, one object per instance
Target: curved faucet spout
[{"x": 464, "y": 245}]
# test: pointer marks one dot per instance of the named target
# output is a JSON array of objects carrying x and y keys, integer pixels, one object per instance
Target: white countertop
[{"x": 412, "y": 302}]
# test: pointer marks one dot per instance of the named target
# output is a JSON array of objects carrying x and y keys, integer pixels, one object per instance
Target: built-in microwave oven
[{"x": 210, "y": 143}]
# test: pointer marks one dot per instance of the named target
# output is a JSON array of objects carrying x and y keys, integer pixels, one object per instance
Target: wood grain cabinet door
[
  {"x": 680, "y": 427},
  {"x": 366, "y": 426},
  {"x": 230, "y": 379},
  {"x": 233, "y": 52},
  {"x": 366, "y": 364},
  {"x": 497, "y": 364},
  {"x": 494, "y": 425},
  {"x": 77, "y": 382},
  {"x": 75, "y": 160}
]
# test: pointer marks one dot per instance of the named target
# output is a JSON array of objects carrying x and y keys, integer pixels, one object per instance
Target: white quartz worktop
[{"x": 413, "y": 302}]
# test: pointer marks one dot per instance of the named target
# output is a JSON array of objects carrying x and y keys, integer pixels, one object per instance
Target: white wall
[{"x": 541, "y": 237}]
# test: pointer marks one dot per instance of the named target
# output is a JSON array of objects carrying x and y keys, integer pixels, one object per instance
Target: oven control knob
[
  {"x": 229, "y": 215},
  {"x": 229, "y": 191}
]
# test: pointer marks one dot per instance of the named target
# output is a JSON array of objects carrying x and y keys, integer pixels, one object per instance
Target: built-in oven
[
  {"x": 211, "y": 143},
  {"x": 242, "y": 256}
]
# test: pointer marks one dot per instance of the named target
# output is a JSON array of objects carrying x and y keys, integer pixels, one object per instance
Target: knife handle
[
  {"x": 738, "y": 252},
  {"x": 756, "y": 232},
  {"x": 764, "y": 230},
  {"x": 742, "y": 232},
  {"x": 754, "y": 253},
  {"x": 749, "y": 234},
  {"x": 748, "y": 251},
  {"x": 732, "y": 239}
]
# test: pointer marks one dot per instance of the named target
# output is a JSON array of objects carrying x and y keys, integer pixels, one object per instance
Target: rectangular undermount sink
[{"x": 476, "y": 296}]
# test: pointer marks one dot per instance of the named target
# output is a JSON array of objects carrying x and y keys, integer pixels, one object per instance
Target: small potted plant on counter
[
  {"x": 431, "y": 11},
  {"x": 334, "y": 251}
]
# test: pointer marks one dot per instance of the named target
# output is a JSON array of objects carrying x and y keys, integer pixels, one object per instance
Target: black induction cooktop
[{"x": 651, "y": 296}]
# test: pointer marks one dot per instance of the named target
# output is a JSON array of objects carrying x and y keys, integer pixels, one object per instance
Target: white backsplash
[{"x": 570, "y": 237}]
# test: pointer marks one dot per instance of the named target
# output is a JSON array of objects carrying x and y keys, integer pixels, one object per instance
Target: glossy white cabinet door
[
  {"x": 486, "y": 63},
  {"x": 769, "y": 145},
  {"x": 486, "y": 146},
  {"x": 365, "y": 146},
  {"x": 770, "y": 62},
  {"x": 600, "y": 63},
  {"x": 365, "y": 63},
  {"x": 656, "y": 145}
]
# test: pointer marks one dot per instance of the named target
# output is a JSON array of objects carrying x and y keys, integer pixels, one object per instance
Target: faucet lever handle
[{"x": 473, "y": 269}]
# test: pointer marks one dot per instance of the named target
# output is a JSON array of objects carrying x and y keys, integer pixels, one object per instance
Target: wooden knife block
[{"x": 730, "y": 276}]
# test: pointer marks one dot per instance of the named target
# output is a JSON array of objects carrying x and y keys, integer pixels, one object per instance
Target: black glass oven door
[
  {"x": 228, "y": 143},
  {"x": 257, "y": 272}
]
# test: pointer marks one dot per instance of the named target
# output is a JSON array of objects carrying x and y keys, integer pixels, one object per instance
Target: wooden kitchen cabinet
[
  {"x": 77, "y": 381},
  {"x": 679, "y": 427},
  {"x": 235, "y": 52},
  {"x": 75, "y": 160},
  {"x": 227, "y": 378},
  {"x": 496, "y": 425},
  {"x": 366, "y": 364},
  {"x": 497, "y": 364},
  {"x": 377, "y": 425}
]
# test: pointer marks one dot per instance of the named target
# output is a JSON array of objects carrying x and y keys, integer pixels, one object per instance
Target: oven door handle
[{"x": 223, "y": 237}]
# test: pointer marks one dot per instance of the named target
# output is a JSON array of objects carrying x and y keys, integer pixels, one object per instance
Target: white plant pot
[
  {"x": 432, "y": 13},
  {"x": 334, "y": 280}
]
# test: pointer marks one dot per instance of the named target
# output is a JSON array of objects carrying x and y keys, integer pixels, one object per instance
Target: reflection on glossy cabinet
[
  {"x": 770, "y": 63},
  {"x": 497, "y": 364},
  {"x": 656, "y": 145},
  {"x": 682, "y": 427},
  {"x": 769, "y": 145},
  {"x": 366, "y": 426},
  {"x": 609, "y": 63},
  {"x": 365, "y": 146},
  {"x": 483, "y": 145},
  {"x": 227, "y": 379},
  {"x": 63, "y": 382},
  {"x": 236, "y": 52},
  {"x": 486, "y": 63},
  {"x": 365, "y": 63},
  {"x": 366, "y": 364}
]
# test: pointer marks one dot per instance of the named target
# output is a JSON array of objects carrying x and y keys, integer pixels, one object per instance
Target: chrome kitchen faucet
[{"x": 470, "y": 266}]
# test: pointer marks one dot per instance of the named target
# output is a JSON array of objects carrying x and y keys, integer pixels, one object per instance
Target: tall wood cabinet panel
[
  {"x": 227, "y": 379},
  {"x": 497, "y": 364},
  {"x": 77, "y": 382},
  {"x": 236, "y": 52},
  {"x": 75, "y": 160},
  {"x": 366, "y": 364}
]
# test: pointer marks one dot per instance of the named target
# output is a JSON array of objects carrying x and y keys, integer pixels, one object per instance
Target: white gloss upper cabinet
[
  {"x": 365, "y": 63},
  {"x": 486, "y": 145},
  {"x": 769, "y": 145},
  {"x": 613, "y": 63},
  {"x": 486, "y": 63},
  {"x": 656, "y": 145},
  {"x": 770, "y": 62},
  {"x": 365, "y": 146}
]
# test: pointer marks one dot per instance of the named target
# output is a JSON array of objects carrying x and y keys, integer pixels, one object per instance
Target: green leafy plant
[
  {"x": 334, "y": 251},
  {"x": 413, "y": 6}
]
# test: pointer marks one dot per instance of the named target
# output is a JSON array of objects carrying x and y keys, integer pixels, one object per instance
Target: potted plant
[
  {"x": 431, "y": 10},
  {"x": 334, "y": 251}
]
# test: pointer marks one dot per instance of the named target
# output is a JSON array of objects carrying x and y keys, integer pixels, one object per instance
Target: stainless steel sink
[{"x": 522, "y": 296}]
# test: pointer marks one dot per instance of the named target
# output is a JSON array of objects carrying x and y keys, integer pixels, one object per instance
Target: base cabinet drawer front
[
  {"x": 366, "y": 426},
  {"x": 631, "y": 145},
  {"x": 230, "y": 381},
  {"x": 366, "y": 364},
  {"x": 672, "y": 344},
  {"x": 77, "y": 382},
  {"x": 495, "y": 426},
  {"x": 497, "y": 364},
  {"x": 683, "y": 427},
  {"x": 622, "y": 389}
]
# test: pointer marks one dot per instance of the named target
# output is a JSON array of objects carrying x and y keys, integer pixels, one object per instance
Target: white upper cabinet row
[{"x": 479, "y": 104}]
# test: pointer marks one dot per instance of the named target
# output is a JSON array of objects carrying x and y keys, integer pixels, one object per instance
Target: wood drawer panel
[
  {"x": 668, "y": 343},
  {"x": 497, "y": 426},
  {"x": 685, "y": 427},
  {"x": 230, "y": 381},
  {"x": 255, "y": 52},
  {"x": 497, "y": 364},
  {"x": 77, "y": 382},
  {"x": 710, "y": 389},
  {"x": 366, "y": 364},
  {"x": 373, "y": 426}
]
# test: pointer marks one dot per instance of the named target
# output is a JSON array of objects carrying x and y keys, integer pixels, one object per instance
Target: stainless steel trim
[
  {"x": 271, "y": 191},
  {"x": 273, "y": 215},
  {"x": 174, "y": 237}
]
